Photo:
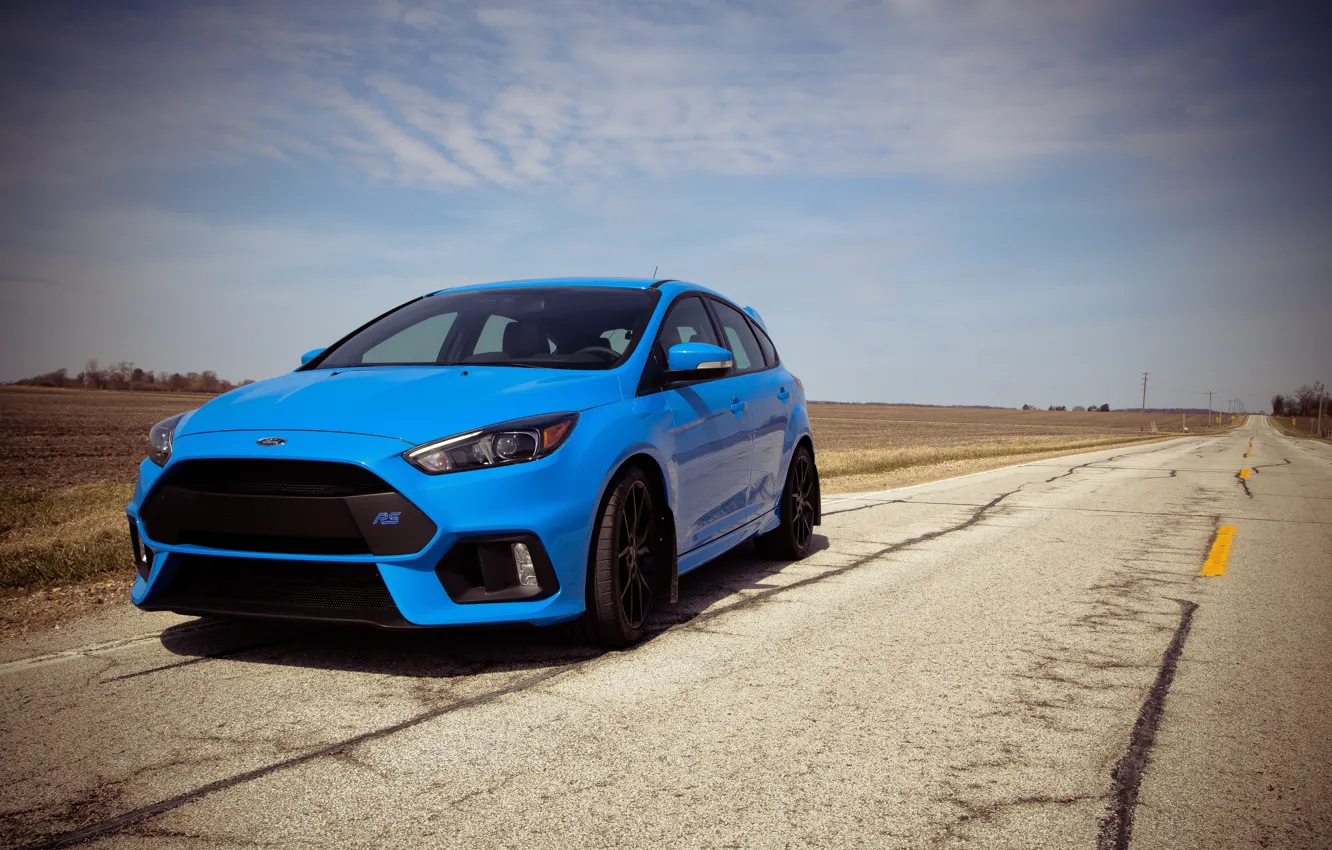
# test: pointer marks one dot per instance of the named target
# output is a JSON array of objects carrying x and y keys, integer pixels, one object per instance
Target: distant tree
[
  {"x": 118, "y": 375},
  {"x": 1105, "y": 408},
  {"x": 92, "y": 375},
  {"x": 177, "y": 382},
  {"x": 1078, "y": 408},
  {"x": 1027, "y": 407},
  {"x": 1278, "y": 405}
]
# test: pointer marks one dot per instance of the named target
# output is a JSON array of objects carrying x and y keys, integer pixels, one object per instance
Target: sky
[{"x": 931, "y": 202}]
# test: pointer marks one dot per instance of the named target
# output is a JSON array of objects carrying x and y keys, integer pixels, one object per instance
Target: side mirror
[
  {"x": 696, "y": 361},
  {"x": 311, "y": 354}
]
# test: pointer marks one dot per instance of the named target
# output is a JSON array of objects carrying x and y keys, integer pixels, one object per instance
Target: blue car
[{"x": 532, "y": 452}]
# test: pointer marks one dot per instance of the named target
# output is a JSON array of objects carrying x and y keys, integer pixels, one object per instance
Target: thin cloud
[{"x": 454, "y": 95}]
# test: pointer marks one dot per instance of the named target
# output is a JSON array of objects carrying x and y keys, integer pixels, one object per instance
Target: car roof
[
  {"x": 667, "y": 285},
  {"x": 617, "y": 282}
]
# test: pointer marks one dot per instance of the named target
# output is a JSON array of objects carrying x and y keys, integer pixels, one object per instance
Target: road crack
[{"x": 1126, "y": 778}]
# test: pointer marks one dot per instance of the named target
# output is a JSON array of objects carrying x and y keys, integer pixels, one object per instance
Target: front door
[
  {"x": 769, "y": 408},
  {"x": 712, "y": 429}
]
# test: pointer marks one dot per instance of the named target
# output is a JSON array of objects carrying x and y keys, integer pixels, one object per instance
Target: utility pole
[
  {"x": 1209, "y": 408},
  {"x": 131, "y": 376},
  {"x": 1142, "y": 427},
  {"x": 1320, "y": 412}
]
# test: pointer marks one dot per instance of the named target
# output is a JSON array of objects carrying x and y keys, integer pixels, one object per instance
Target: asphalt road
[{"x": 1021, "y": 658}]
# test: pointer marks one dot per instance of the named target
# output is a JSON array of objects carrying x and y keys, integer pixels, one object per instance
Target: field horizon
[{"x": 64, "y": 546}]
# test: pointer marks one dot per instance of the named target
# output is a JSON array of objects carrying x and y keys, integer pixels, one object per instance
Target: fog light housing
[
  {"x": 522, "y": 559},
  {"x": 504, "y": 567},
  {"x": 143, "y": 556}
]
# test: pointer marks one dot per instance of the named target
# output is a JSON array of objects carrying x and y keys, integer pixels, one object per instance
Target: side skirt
[{"x": 700, "y": 555}]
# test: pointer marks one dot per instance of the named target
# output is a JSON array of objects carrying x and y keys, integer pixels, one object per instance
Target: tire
[
  {"x": 626, "y": 563},
  {"x": 797, "y": 514}
]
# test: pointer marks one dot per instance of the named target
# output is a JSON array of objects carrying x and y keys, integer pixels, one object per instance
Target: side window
[
  {"x": 687, "y": 321},
  {"x": 418, "y": 343},
  {"x": 739, "y": 338},
  {"x": 769, "y": 353}
]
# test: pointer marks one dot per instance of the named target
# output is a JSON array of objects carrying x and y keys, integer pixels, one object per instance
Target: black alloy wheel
[
  {"x": 634, "y": 555},
  {"x": 798, "y": 513},
  {"x": 623, "y": 573}
]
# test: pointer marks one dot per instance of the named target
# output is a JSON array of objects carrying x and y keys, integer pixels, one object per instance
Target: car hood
[{"x": 410, "y": 403}]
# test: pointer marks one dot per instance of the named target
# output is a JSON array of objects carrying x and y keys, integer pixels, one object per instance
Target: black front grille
[
  {"x": 286, "y": 507},
  {"x": 297, "y": 478},
  {"x": 209, "y": 584}
]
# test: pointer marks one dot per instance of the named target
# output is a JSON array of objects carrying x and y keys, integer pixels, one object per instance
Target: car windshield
[{"x": 556, "y": 327}]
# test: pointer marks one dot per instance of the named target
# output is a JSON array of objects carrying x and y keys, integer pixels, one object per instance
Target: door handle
[
  {"x": 783, "y": 394},
  {"x": 737, "y": 407}
]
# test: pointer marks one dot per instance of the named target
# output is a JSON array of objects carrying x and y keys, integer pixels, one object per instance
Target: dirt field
[
  {"x": 62, "y": 438},
  {"x": 853, "y": 426},
  {"x": 71, "y": 459}
]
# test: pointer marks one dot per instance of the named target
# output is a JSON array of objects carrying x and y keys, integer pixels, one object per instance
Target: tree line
[
  {"x": 126, "y": 376},
  {"x": 1094, "y": 408},
  {"x": 1303, "y": 402}
]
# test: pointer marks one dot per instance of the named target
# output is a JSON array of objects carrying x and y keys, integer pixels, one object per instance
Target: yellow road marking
[
  {"x": 1246, "y": 454},
  {"x": 1215, "y": 565},
  {"x": 1244, "y": 473}
]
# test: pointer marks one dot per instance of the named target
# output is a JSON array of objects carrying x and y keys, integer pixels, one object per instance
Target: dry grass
[
  {"x": 1303, "y": 426},
  {"x": 875, "y": 447},
  {"x": 49, "y": 537},
  {"x": 833, "y": 464}
]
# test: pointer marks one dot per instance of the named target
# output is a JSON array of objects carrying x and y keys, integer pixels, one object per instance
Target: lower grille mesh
[{"x": 219, "y": 583}]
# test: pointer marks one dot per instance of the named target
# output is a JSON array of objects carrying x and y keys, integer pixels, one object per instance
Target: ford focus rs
[{"x": 533, "y": 452}]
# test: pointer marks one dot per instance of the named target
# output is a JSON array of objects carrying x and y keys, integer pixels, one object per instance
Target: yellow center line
[
  {"x": 1215, "y": 565},
  {"x": 1244, "y": 473}
]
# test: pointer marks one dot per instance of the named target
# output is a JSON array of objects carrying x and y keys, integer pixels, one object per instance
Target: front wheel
[
  {"x": 626, "y": 559},
  {"x": 797, "y": 513}
]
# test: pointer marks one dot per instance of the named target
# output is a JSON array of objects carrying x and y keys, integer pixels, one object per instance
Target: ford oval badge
[{"x": 271, "y": 441}]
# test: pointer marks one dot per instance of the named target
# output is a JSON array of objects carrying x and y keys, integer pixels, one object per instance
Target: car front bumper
[{"x": 546, "y": 504}]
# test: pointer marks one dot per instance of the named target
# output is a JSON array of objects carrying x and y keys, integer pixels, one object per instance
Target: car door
[
  {"x": 768, "y": 401},
  {"x": 710, "y": 426}
]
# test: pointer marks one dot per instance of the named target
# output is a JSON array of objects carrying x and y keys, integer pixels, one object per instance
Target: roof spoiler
[{"x": 753, "y": 314}]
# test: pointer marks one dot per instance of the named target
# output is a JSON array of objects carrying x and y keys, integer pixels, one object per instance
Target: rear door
[
  {"x": 711, "y": 429},
  {"x": 764, "y": 388}
]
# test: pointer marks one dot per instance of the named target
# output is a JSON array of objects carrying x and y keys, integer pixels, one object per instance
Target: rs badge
[{"x": 386, "y": 518}]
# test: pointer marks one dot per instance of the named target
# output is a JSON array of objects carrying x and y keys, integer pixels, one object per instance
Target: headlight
[
  {"x": 498, "y": 445},
  {"x": 159, "y": 439}
]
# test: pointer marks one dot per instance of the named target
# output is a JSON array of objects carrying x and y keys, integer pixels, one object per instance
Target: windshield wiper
[{"x": 498, "y": 363}]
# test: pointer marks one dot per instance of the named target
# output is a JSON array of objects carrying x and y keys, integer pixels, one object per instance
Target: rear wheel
[
  {"x": 625, "y": 563},
  {"x": 793, "y": 537}
]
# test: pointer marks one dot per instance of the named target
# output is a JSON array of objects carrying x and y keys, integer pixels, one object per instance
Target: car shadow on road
[{"x": 454, "y": 652}]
